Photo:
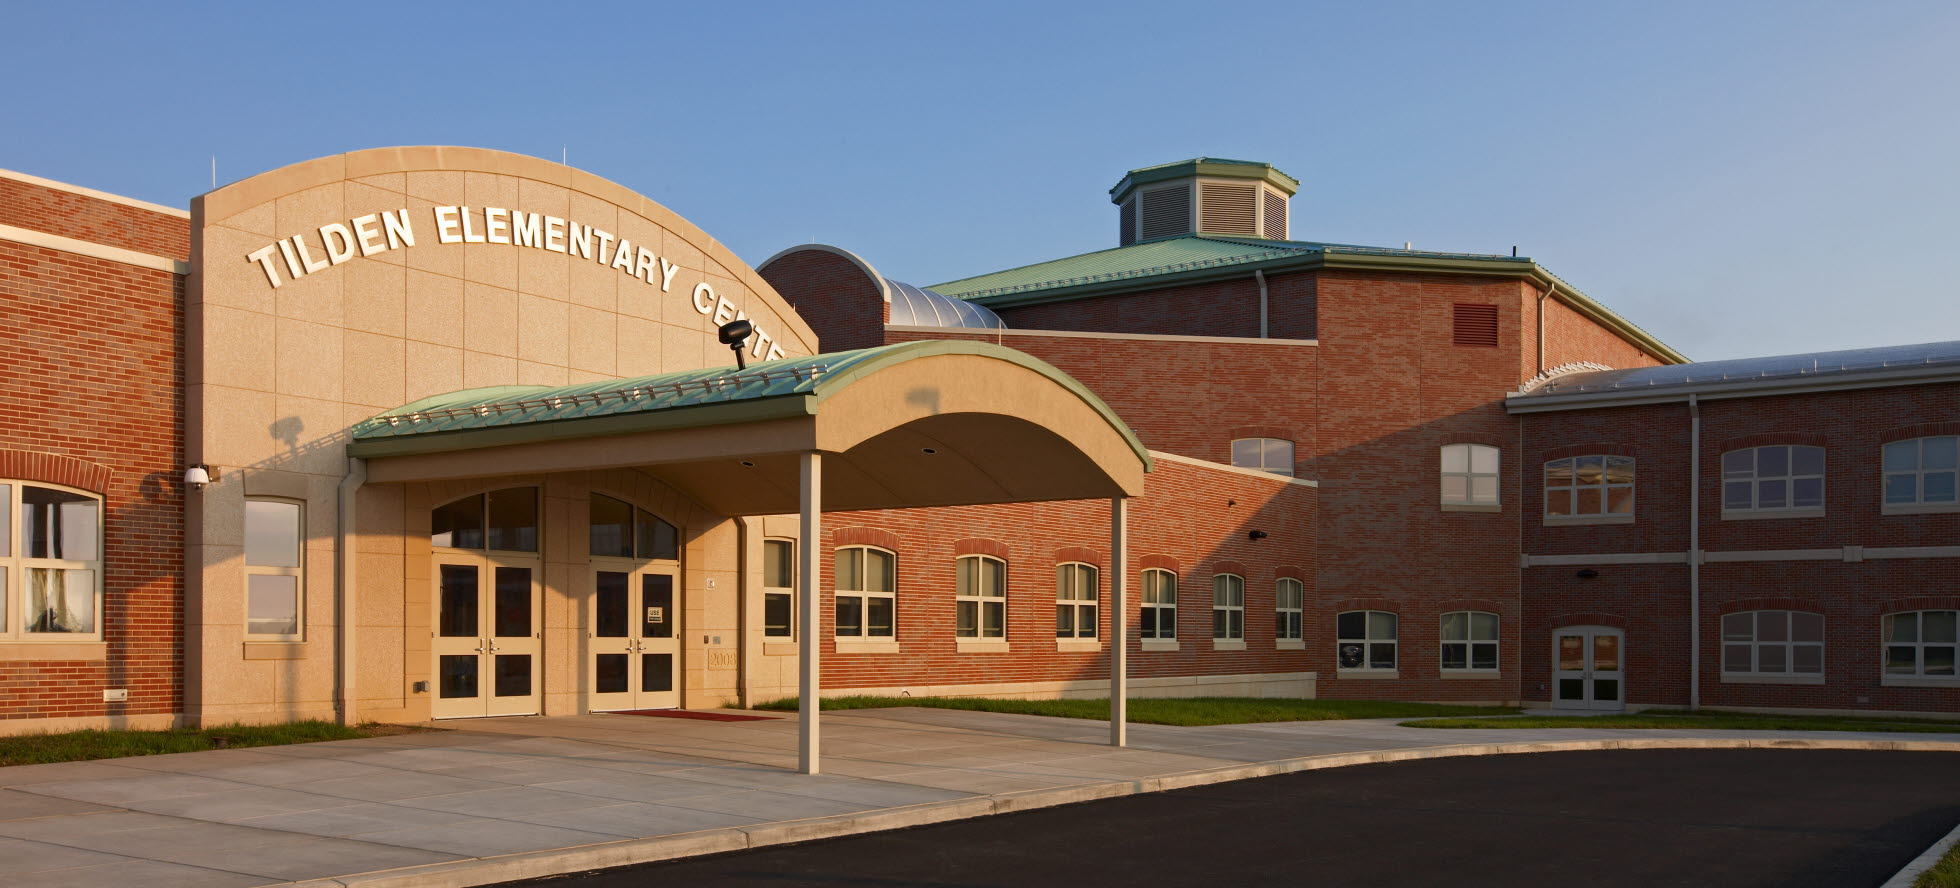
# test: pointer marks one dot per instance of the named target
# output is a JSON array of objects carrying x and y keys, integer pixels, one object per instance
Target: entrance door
[
  {"x": 1586, "y": 672},
  {"x": 634, "y": 640},
  {"x": 488, "y": 643}
]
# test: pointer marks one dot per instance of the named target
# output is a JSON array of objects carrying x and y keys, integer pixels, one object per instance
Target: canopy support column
[
  {"x": 1119, "y": 631},
  {"x": 809, "y": 544}
]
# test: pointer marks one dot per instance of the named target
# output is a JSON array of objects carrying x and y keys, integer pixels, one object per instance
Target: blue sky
[{"x": 1738, "y": 178}]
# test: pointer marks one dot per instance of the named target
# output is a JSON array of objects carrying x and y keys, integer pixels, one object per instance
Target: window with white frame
[
  {"x": 1923, "y": 471},
  {"x": 1589, "y": 487},
  {"x": 1469, "y": 641},
  {"x": 1365, "y": 640},
  {"x": 1773, "y": 642},
  {"x": 980, "y": 601},
  {"x": 1228, "y": 607},
  {"x": 778, "y": 589},
  {"x": 1921, "y": 643},
  {"x": 1075, "y": 600},
  {"x": 50, "y": 563},
  {"x": 1273, "y": 455},
  {"x": 1776, "y": 476},
  {"x": 1289, "y": 607},
  {"x": 1469, "y": 475},
  {"x": 275, "y": 571},
  {"x": 1159, "y": 604},
  {"x": 867, "y": 589}
]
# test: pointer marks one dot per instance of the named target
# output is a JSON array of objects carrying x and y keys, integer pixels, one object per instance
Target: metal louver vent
[
  {"x": 1275, "y": 216},
  {"x": 1476, "y": 325},
  {"x": 1166, "y": 212},
  {"x": 1128, "y": 235},
  {"x": 1230, "y": 209}
]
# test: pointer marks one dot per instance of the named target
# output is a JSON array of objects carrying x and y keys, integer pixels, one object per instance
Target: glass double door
[
  {"x": 634, "y": 639},
  {"x": 1587, "y": 672},
  {"x": 487, "y": 640}
]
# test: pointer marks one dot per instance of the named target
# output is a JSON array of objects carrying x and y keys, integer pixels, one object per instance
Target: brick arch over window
[
  {"x": 27, "y": 465},
  {"x": 1589, "y": 450},
  {"x": 1078, "y": 553},
  {"x": 1159, "y": 562},
  {"x": 980, "y": 546},
  {"x": 864, "y": 536},
  {"x": 1766, "y": 604},
  {"x": 1228, "y": 567},
  {"x": 1768, "y": 439},
  {"x": 1470, "y": 604},
  {"x": 1921, "y": 602},
  {"x": 1262, "y": 431},
  {"x": 1920, "y": 430},
  {"x": 1366, "y": 604},
  {"x": 1483, "y": 438},
  {"x": 1614, "y": 621},
  {"x": 1289, "y": 572}
]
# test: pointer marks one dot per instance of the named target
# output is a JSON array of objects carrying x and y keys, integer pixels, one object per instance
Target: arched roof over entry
[{"x": 916, "y": 424}]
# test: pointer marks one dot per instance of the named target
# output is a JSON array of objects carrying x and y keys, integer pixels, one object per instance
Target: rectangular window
[
  {"x": 274, "y": 569},
  {"x": 1470, "y": 475},
  {"x": 1228, "y": 607},
  {"x": 1273, "y": 455},
  {"x": 867, "y": 582},
  {"x": 778, "y": 588},
  {"x": 1289, "y": 605},
  {"x": 1076, "y": 586},
  {"x": 50, "y": 563},
  {"x": 1589, "y": 487},
  {"x": 1923, "y": 472},
  {"x": 1922, "y": 643},
  {"x": 980, "y": 601},
  {"x": 1366, "y": 640},
  {"x": 1469, "y": 640},
  {"x": 1773, "y": 643},
  {"x": 1159, "y": 604},
  {"x": 1773, "y": 477}
]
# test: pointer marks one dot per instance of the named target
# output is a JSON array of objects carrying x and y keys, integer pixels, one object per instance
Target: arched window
[
  {"x": 980, "y": 599},
  {"x": 1159, "y": 604},
  {"x": 1227, "y": 607},
  {"x": 1076, "y": 585},
  {"x": 616, "y": 529},
  {"x": 1773, "y": 642},
  {"x": 1923, "y": 472},
  {"x": 1289, "y": 606},
  {"x": 1273, "y": 455},
  {"x": 500, "y": 521},
  {"x": 867, "y": 592},
  {"x": 1470, "y": 475},
  {"x": 50, "y": 563},
  {"x": 1773, "y": 477},
  {"x": 1469, "y": 641},
  {"x": 1589, "y": 487},
  {"x": 1365, "y": 640}
]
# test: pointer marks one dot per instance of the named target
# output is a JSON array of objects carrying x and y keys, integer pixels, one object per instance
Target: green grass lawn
[
  {"x": 75, "y": 746},
  {"x": 1168, "y": 710},
  {"x": 1945, "y": 874},
  {"x": 1710, "y": 718}
]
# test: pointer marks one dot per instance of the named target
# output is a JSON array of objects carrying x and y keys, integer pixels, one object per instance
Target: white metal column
[
  {"x": 808, "y": 546},
  {"x": 1119, "y": 634}
]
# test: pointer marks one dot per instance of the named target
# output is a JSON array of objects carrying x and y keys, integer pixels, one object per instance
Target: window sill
[
  {"x": 275, "y": 650},
  {"x": 780, "y": 648},
  {"x": 1228, "y": 644},
  {"x": 1918, "y": 508},
  {"x": 1920, "y": 681},
  {"x": 1289, "y": 644},
  {"x": 1473, "y": 507},
  {"x": 1367, "y": 673},
  {"x": 1471, "y": 674},
  {"x": 1582, "y": 520},
  {"x": 981, "y": 645},
  {"x": 1160, "y": 644},
  {"x": 1078, "y": 644},
  {"x": 1762, "y": 514},
  {"x": 54, "y": 650},
  {"x": 856, "y": 646},
  {"x": 1770, "y": 679}
]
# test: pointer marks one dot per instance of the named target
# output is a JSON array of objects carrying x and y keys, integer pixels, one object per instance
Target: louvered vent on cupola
[{"x": 1206, "y": 195}]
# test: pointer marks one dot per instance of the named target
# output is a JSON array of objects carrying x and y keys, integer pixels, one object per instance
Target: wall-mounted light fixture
[
  {"x": 197, "y": 476},
  {"x": 735, "y": 334},
  {"x": 1256, "y": 535},
  {"x": 1587, "y": 573}
]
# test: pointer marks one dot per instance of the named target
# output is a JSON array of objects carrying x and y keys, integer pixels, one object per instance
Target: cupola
[{"x": 1203, "y": 195}]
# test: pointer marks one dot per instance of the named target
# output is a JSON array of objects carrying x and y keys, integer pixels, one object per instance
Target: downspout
[
  {"x": 1541, "y": 327},
  {"x": 344, "y": 589},
  {"x": 1259, "y": 274},
  {"x": 1694, "y": 552}
]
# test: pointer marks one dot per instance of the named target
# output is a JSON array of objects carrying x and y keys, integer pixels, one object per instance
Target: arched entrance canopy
[{"x": 936, "y": 423}]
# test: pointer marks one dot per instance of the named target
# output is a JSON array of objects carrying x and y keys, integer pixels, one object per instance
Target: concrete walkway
[{"x": 502, "y": 799}]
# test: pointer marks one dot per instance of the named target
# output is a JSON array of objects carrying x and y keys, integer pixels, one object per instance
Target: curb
[{"x": 536, "y": 864}]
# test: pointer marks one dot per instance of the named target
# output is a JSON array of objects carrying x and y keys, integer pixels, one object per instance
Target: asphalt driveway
[{"x": 1649, "y": 817}]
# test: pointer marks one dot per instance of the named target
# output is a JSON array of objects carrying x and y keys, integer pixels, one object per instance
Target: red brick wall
[
  {"x": 1190, "y": 517},
  {"x": 94, "y": 399},
  {"x": 27, "y": 205},
  {"x": 842, "y": 305},
  {"x": 1571, "y": 337},
  {"x": 1217, "y": 308}
]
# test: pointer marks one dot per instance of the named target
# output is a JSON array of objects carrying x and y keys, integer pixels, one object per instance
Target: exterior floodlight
[
  {"x": 1256, "y": 535},
  {"x": 735, "y": 334},
  {"x": 197, "y": 476}
]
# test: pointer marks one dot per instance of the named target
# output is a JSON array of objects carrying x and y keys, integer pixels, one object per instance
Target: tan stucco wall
[{"x": 276, "y": 375}]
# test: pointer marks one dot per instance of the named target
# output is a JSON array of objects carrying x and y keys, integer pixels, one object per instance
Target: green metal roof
[
  {"x": 1203, "y": 166},
  {"x": 788, "y": 387}
]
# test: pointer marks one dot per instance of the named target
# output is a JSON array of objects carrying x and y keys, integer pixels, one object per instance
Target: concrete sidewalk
[{"x": 503, "y": 799}]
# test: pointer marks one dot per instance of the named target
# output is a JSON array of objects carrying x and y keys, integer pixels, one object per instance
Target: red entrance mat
[{"x": 704, "y": 716}]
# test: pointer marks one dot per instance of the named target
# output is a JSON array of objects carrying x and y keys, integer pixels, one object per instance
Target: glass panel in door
[
  {"x": 458, "y": 642},
  {"x": 515, "y": 642},
  {"x": 659, "y": 644}
]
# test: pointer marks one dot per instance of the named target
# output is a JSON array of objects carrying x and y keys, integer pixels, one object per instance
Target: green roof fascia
[
  {"x": 1203, "y": 166},
  {"x": 1336, "y": 259},
  {"x": 696, "y": 416}
]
